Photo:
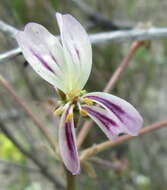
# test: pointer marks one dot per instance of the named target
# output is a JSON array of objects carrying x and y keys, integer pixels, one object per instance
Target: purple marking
[
  {"x": 78, "y": 54},
  {"x": 54, "y": 59},
  {"x": 119, "y": 112},
  {"x": 69, "y": 136},
  {"x": 74, "y": 44},
  {"x": 42, "y": 61},
  {"x": 102, "y": 118},
  {"x": 107, "y": 103}
]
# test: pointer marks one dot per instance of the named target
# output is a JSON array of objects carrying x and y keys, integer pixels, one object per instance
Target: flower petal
[
  {"x": 77, "y": 49},
  {"x": 108, "y": 122},
  {"x": 44, "y": 53},
  {"x": 124, "y": 111},
  {"x": 67, "y": 142}
]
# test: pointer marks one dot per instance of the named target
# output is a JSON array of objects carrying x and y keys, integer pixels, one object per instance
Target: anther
[
  {"x": 69, "y": 117},
  {"x": 88, "y": 101},
  {"x": 83, "y": 112},
  {"x": 58, "y": 111}
]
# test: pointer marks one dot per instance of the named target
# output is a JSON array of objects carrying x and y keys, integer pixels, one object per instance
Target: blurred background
[{"x": 142, "y": 161}]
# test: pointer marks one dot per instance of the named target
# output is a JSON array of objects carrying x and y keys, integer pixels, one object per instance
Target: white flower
[{"x": 66, "y": 64}]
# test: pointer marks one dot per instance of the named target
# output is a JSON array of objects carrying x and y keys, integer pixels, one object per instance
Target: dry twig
[
  {"x": 98, "y": 38},
  {"x": 29, "y": 113},
  {"x": 89, "y": 152},
  {"x": 29, "y": 155}
]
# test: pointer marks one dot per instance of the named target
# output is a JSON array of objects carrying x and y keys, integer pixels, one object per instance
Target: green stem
[{"x": 70, "y": 180}]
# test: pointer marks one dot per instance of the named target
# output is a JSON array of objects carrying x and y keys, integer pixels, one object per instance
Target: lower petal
[
  {"x": 67, "y": 142},
  {"x": 124, "y": 111}
]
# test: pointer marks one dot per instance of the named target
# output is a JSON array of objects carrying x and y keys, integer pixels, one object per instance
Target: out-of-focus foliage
[
  {"x": 8, "y": 151},
  {"x": 34, "y": 186}
]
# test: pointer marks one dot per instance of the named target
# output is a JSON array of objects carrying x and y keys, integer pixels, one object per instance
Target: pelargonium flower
[{"x": 66, "y": 64}]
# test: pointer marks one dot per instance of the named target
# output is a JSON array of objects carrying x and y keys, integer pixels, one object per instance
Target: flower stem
[{"x": 70, "y": 180}]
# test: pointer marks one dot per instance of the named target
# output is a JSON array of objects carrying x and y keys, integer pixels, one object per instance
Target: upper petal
[
  {"x": 77, "y": 49},
  {"x": 67, "y": 142},
  {"x": 44, "y": 53},
  {"x": 124, "y": 111}
]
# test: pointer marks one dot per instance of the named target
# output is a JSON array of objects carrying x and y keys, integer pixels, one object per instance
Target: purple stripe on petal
[
  {"x": 78, "y": 54},
  {"x": 70, "y": 140},
  {"x": 54, "y": 59},
  {"x": 69, "y": 136},
  {"x": 106, "y": 121},
  {"x": 118, "y": 111},
  {"x": 42, "y": 61}
]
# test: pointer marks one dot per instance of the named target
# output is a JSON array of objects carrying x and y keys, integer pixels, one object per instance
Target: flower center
[
  {"x": 73, "y": 95},
  {"x": 76, "y": 99}
]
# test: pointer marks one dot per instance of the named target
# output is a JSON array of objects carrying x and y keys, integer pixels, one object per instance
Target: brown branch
[
  {"x": 89, "y": 152},
  {"x": 110, "y": 85},
  {"x": 116, "y": 165},
  {"x": 27, "y": 110},
  {"x": 29, "y": 155},
  {"x": 122, "y": 67}
]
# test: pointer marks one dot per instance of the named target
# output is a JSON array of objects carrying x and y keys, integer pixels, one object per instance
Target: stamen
[
  {"x": 58, "y": 111},
  {"x": 69, "y": 117},
  {"x": 88, "y": 101},
  {"x": 83, "y": 112},
  {"x": 71, "y": 95}
]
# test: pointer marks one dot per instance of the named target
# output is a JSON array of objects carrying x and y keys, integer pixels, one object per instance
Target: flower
[{"x": 66, "y": 64}]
